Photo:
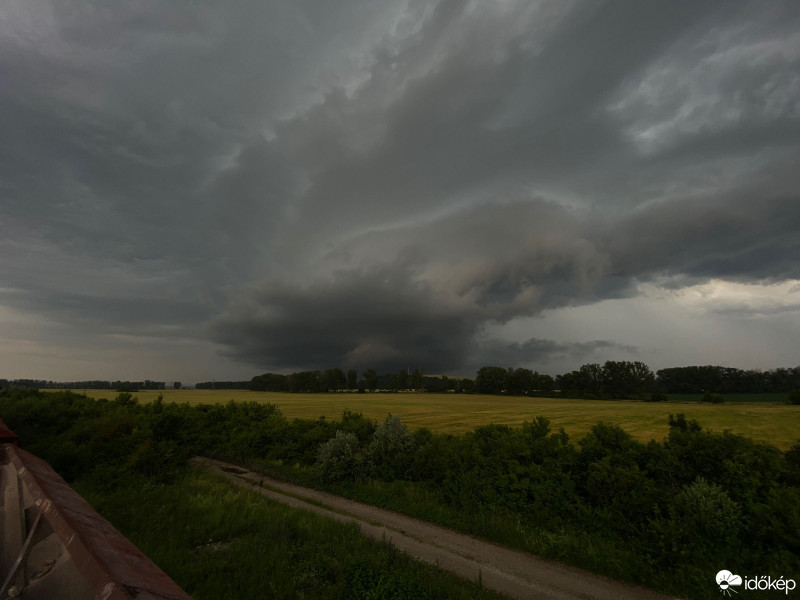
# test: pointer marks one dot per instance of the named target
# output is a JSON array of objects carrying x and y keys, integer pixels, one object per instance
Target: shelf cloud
[{"x": 364, "y": 184}]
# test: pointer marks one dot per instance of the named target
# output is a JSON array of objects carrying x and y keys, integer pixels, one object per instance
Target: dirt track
[{"x": 511, "y": 572}]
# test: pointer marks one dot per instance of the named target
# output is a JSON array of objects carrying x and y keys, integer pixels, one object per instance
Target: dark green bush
[
  {"x": 702, "y": 516},
  {"x": 340, "y": 458},
  {"x": 713, "y": 398}
]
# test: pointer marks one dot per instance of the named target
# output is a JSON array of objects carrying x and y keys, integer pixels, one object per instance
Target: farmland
[{"x": 772, "y": 422}]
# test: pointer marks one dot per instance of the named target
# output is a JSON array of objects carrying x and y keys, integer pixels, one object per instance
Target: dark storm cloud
[
  {"x": 746, "y": 234},
  {"x": 477, "y": 112},
  {"x": 476, "y": 129},
  {"x": 374, "y": 184},
  {"x": 132, "y": 174},
  {"x": 377, "y": 318}
]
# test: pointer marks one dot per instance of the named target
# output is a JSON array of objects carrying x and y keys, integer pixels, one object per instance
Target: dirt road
[{"x": 511, "y": 572}]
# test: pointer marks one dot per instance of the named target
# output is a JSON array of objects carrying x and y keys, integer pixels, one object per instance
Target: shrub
[
  {"x": 792, "y": 457},
  {"x": 657, "y": 397},
  {"x": 703, "y": 517},
  {"x": 159, "y": 459},
  {"x": 794, "y": 397},
  {"x": 680, "y": 423},
  {"x": 713, "y": 398},
  {"x": 126, "y": 399},
  {"x": 340, "y": 457},
  {"x": 391, "y": 451}
]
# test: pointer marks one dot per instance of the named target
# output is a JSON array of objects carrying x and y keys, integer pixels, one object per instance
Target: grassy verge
[
  {"x": 594, "y": 551},
  {"x": 220, "y": 542}
]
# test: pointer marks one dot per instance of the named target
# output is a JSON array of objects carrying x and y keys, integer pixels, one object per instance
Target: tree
[
  {"x": 269, "y": 382},
  {"x": 305, "y": 381},
  {"x": 371, "y": 376},
  {"x": 176, "y": 385},
  {"x": 591, "y": 378},
  {"x": 333, "y": 379},
  {"x": 391, "y": 451},
  {"x": 521, "y": 381},
  {"x": 623, "y": 379},
  {"x": 352, "y": 379},
  {"x": 417, "y": 381},
  {"x": 490, "y": 380},
  {"x": 402, "y": 379},
  {"x": 340, "y": 457},
  {"x": 702, "y": 516},
  {"x": 546, "y": 383},
  {"x": 567, "y": 383},
  {"x": 642, "y": 378}
]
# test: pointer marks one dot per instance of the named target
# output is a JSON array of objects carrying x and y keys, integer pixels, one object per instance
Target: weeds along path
[{"x": 511, "y": 572}]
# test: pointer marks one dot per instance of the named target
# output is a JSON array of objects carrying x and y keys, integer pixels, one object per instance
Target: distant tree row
[
  {"x": 726, "y": 380},
  {"x": 223, "y": 385},
  {"x": 614, "y": 379},
  {"x": 329, "y": 380},
  {"x": 336, "y": 380},
  {"x": 516, "y": 382},
  {"x": 84, "y": 385}
]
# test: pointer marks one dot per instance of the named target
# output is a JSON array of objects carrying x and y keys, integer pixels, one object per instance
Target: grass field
[
  {"x": 771, "y": 422},
  {"x": 778, "y": 397}
]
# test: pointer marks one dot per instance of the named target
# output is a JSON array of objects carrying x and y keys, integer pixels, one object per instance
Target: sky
[{"x": 195, "y": 190}]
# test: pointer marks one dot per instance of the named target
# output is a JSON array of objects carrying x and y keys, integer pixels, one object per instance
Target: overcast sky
[{"x": 201, "y": 190}]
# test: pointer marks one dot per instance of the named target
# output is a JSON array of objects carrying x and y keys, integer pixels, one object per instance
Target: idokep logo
[{"x": 727, "y": 581}]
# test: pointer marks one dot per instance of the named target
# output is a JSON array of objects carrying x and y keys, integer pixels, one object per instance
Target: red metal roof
[
  {"x": 6, "y": 435},
  {"x": 63, "y": 545}
]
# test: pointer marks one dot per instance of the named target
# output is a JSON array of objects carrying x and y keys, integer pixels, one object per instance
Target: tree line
[
  {"x": 93, "y": 384},
  {"x": 726, "y": 380},
  {"x": 337, "y": 380},
  {"x": 613, "y": 379}
]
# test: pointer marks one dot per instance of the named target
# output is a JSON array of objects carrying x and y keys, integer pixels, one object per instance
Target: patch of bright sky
[
  {"x": 749, "y": 300},
  {"x": 700, "y": 324}
]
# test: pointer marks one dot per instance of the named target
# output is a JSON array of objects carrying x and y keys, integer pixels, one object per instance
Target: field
[{"x": 771, "y": 422}]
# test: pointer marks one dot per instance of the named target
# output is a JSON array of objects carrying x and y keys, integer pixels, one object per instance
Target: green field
[
  {"x": 775, "y": 397},
  {"x": 772, "y": 422}
]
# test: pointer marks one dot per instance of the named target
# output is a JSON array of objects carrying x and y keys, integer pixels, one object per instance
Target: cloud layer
[{"x": 362, "y": 184}]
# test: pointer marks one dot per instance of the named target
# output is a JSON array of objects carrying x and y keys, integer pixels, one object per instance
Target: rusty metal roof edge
[
  {"x": 7, "y": 436},
  {"x": 100, "y": 551}
]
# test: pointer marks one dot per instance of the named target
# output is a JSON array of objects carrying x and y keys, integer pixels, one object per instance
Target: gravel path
[{"x": 511, "y": 572}]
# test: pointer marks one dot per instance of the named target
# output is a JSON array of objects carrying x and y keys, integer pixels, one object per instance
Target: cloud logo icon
[{"x": 726, "y": 580}]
